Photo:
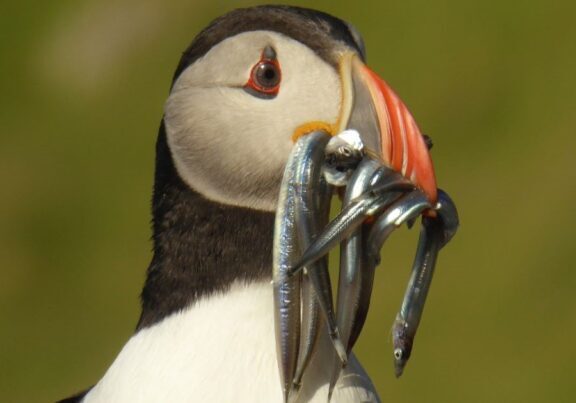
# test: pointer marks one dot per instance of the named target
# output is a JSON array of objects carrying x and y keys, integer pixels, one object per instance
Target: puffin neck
[{"x": 200, "y": 246}]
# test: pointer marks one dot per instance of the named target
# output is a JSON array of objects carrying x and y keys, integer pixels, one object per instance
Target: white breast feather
[{"x": 221, "y": 349}]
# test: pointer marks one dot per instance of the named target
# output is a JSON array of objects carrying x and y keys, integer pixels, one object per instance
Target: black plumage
[{"x": 200, "y": 246}]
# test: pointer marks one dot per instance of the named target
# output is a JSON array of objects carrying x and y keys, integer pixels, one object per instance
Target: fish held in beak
[{"x": 378, "y": 158}]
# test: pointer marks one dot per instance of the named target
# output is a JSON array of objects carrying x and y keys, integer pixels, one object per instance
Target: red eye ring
[{"x": 265, "y": 77}]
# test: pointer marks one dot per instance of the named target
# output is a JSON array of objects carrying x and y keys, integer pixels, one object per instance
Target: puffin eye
[{"x": 265, "y": 77}]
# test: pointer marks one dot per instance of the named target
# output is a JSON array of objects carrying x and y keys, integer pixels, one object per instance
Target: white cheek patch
[{"x": 232, "y": 146}]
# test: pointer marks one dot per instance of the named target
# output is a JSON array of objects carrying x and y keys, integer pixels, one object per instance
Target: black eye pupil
[{"x": 267, "y": 75}]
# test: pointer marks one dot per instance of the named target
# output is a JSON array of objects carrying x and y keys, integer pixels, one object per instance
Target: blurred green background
[{"x": 82, "y": 86}]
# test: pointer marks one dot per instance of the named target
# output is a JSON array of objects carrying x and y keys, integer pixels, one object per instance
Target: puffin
[{"x": 246, "y": 88}]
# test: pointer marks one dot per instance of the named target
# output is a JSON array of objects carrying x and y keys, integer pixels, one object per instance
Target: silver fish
[
  {"x": 287, "y": 288},
  {"x": 435, "y": 233},
  {"x": 408, "y": 319},
  {"x": 406, "y": 208},
  {"x": 366, "y": 205},
  {"x": 312, "y": 208},
  {"x": 309, "y": 331},
  {"x": 354, "y": 283},
  {"x": 295, "y": 223}
]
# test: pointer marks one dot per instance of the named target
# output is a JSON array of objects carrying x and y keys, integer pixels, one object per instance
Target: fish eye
[
  {"x": 346, "y": 151},
  {"x": 398, "y": 353}
]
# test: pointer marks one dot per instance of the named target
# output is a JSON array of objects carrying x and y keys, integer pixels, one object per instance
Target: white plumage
[{"x": 220, "y": 350}]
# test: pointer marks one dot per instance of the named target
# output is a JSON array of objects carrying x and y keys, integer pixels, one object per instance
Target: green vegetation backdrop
[{"x": 82, "y": 85}]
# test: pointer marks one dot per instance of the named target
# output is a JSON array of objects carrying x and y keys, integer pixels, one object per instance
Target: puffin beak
[{"x": 385, "y": 124}]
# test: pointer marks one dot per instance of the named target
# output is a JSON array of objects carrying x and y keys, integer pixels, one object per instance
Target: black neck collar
[{"x": 200, "y": 246}]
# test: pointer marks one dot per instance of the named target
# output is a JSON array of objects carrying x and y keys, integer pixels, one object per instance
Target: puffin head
[{"x": 258, "y": 78}]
